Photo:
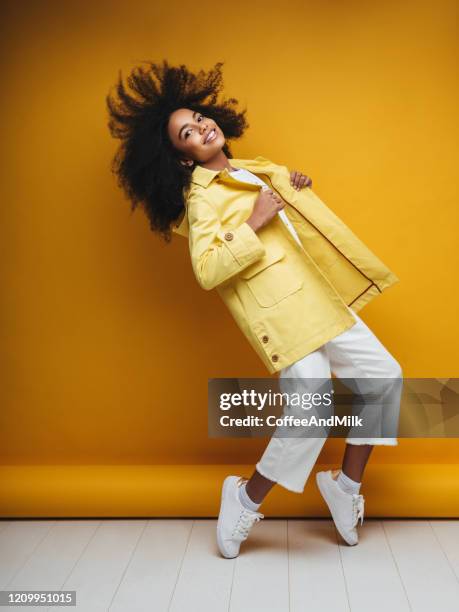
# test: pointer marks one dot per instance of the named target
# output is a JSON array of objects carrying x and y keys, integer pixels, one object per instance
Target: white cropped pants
[{"x": 355, "y": 354}]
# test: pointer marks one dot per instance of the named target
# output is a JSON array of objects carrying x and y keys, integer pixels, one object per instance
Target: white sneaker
[
  {"x": 346, "y": 508},
  {"x": 234, "y": 520}
]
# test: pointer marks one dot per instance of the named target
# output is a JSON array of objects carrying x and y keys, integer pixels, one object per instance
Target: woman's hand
[
  {"x": 299, "y": 180},
  {"x": 267, "y": 205}
]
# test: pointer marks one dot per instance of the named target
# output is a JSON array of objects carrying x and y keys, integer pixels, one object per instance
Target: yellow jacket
[{"x": 288, "y": 300}]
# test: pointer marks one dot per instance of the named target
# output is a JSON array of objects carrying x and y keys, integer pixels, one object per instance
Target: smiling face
[{"x": 197, "y": 137}]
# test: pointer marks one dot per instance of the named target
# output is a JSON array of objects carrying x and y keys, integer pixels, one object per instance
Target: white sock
[
  {"x": 245, "y": 499},
  {"x": 348, "y": 485}
]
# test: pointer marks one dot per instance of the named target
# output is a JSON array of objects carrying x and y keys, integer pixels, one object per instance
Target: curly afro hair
[{"x": 146, "y": 164}]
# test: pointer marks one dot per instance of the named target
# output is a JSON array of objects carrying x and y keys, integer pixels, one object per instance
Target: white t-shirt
[{"x": 241, "y": 174}]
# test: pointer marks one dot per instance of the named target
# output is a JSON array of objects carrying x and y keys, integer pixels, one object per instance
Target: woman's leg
[
  {"x": 258, "y": 487},
  {"x": 365, "y": 366},
  {"x": 290, "y": 456},
  {"x": 360, "y": 358},
  {"x": 355, "y": 459}
]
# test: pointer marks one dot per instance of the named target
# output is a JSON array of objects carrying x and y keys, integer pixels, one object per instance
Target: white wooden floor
[{"x": 285, "y": 565}]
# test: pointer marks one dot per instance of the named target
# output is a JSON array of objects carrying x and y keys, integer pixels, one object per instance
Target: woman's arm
[{"x": 216, "y": 254}]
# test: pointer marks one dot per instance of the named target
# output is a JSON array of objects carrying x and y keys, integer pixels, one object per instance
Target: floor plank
[
  {"x": 261, "y": 572},
  {"x": 17, "y": 543},
  {"x": 447, "y": 533},
  {"x": 427, "y": 576},
  {"x": 99, "y": 570},
  {"x": 204, "y": 580},
  {"x": 370, "y": 572},
  {"x": 316, "y": 574},
  {"x": 152, "y": 573},
  {"x": 54, "y": 557}
]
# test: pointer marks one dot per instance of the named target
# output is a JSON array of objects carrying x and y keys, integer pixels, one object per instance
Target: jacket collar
[{"x": 204, "y": 176}]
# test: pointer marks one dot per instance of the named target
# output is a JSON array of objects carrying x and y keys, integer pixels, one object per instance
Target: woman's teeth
[{"x": 211, "y": 136}]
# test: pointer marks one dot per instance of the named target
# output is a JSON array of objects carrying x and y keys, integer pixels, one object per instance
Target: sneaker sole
[
  {"x": 222, "y": 503},
  {"x": 322, "y": 490}
]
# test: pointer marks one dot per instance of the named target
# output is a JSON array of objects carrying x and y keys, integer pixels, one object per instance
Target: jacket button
[
  {"x": 275, "y": 358},
  {"x": 229, "y": 236},
  {"x": 265, "y": 339}
]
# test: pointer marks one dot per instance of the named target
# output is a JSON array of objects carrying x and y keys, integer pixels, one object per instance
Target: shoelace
[
  {"x": 358, "y": 504},
  {"x": 245, "y": 521}
]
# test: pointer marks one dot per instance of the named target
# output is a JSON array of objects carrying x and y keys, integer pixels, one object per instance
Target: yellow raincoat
[{"x": 287, "y": 299}]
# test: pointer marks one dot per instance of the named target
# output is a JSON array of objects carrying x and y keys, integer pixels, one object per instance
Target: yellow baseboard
[{"x": 64, "y": 491}]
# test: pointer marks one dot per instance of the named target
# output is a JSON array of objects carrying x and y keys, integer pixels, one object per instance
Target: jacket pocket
[{"x": 271, "y": 278}]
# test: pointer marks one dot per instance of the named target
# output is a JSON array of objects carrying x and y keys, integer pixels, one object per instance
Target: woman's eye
[{"x": 188, "y": 131}]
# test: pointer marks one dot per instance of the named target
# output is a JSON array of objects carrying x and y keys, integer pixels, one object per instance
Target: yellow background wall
[{"x": 107, "y": 339}]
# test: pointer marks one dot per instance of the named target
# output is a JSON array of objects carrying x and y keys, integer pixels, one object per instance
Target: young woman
[{"x": 292, "y": 274}]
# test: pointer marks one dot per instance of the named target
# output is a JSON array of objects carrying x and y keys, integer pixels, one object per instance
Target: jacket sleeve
[{"x": 217, "y": 254}]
